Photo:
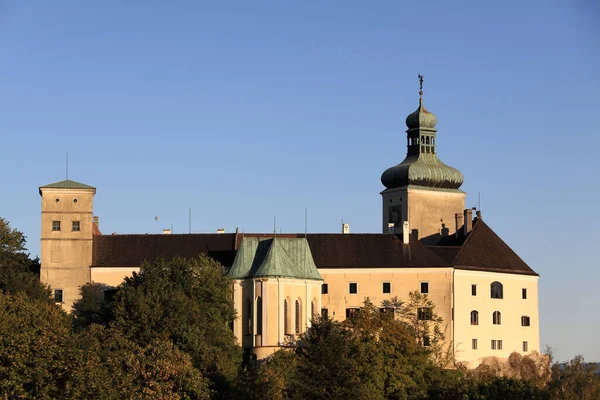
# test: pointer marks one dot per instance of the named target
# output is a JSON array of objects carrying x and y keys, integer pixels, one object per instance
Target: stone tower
[
  {"x": 67, "y": 235},
  {"x": 422, "y": 189}
]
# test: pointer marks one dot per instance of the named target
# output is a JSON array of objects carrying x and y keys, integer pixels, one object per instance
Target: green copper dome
[{"x": 422, "y": 167}]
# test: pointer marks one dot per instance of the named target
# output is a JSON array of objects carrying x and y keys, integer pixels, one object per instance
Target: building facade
[{"x": 430, "y": 243}]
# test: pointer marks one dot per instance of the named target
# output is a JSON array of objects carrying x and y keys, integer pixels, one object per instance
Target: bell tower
[
  {"x": 66, "y": 240},
  {"x": 422, "y": 189}
]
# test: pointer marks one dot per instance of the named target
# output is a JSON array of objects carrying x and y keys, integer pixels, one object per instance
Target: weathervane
[{"x": 420, "y": 84}]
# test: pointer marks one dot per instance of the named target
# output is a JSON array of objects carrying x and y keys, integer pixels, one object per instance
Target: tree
[
  {"x": 105, "y": 364},
  {"x": 12, "y": 246},
  {"x": 91, "y": 308},
  {"x": 188, "y": 302},
  {"x": 33, "y": 348},
  {"x": 575, "y": 380}
]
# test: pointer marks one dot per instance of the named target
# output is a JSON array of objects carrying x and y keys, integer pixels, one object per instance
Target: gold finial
[{"x": 420, "y": 85}]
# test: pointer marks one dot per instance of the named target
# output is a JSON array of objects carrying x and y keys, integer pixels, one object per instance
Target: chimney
[
  {"x": 221, "y": 230},
  {"x": 468, "y": 221},
  {"x": 95, "y": 222},
  {"x": 166, "y": 231},
  {"x": 478, "y": 214},
  {"x": 458, "y": 217},
  {"x": 405, "y": 232},
  {"x": 345, "y": 229}
]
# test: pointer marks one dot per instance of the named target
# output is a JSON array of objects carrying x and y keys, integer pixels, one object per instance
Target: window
[
  {"x": 351, "y": 312},
  {"x": 474, "y": 318},
  {"x": 312, "y": 309},
  {"x": 499, "y": 344},
  {"x": 424, "y": 314},
  {"x": 56, "y": 225},
  {"x": 524, "y": 293},
  {"x": 525, "y": 321},
  {"x": 259, "y": 316},
  {"x": 493, "y": 345},
  {"x": 496, "y": 290},
  {"x": 497, "y": 318},
  {"x": 324, "y": 313},
  {"x": 58, "y": 295},
  {"x": 75, "y": 226},
  {"x": 474, "y": 344},
  {"x": 473, "y": 290},
  {"x": 387, "y": 312},
  {"x": 248, "y": 317},
  {"x": 426, "y": 341},
  {"x": 286, "y": 318},
  {"x": 424, "y": 287},
  {"x": 324, "y": 288},
  {"x": 298, "y": 317},
  {"x": 387, "y": 287},
  {"x": 353, "y": 288},
  {"x": 525, "y": 346}
]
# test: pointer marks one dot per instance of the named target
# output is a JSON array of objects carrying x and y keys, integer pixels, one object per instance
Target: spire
[{"x": 421, "y": 166}]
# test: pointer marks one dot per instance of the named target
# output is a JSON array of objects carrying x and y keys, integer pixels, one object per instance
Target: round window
[
  {"x": 75, "y": 201},
  {"x": 57, "y": 199}
]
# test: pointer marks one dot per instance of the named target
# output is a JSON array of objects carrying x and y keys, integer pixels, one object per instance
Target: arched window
[
  {"x": 474, "y": 318},
  {"x": 312, "y": 309},
  {"x": 422, "y": 139},
  {"x": 496, "y": 290},
  {"x": 259, "y": 316},
  {"x": 298, "y": 317},
  {"x": 286, "y": 318},
  {"x": 427, "y": 140},
  {"x": 497, "y": 318},
  {"x": 432, "y": 141},
  {"x": 248, "y": 317}
]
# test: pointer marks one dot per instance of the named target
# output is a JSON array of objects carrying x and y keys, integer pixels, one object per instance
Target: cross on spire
[{"x": 420, "y": 84}]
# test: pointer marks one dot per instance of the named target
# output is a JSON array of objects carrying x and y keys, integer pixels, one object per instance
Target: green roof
[
  {"x": 66, "y": 184},
  {"x": 274, "y": 257}
]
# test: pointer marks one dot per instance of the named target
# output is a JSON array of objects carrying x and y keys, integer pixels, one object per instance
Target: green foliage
[
  {"x": 187, "y": 302},
  {"x": 12, "y": 246},
  {"x": 33, "y": 348},
  {"x": 575, "y": 380},
  {"x": 91, "y": 307},
  {"x": 107, "y": 365}
]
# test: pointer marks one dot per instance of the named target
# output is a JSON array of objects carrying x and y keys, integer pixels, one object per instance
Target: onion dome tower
[{"x": 424, "y": 173}]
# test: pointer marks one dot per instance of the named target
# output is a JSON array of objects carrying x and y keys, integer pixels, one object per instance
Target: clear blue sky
[{"x": 249, "y": 110}]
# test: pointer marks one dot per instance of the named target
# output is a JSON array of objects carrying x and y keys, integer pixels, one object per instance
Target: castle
[{"x": 430, "y": 243}]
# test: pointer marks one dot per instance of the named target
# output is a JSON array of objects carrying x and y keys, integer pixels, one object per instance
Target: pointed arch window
[
  {"x": 259, "y": 316},
  {"x": 497, "y": 318},
  {"x": 312, "y": 309},
  {"x": 248, "y": 317},
  {"x": 432, "y": 141},
  {"x": 427, "y": 140},
  {"x": 286, "y": 318},
  {"x": 298, "y": 317},
  {"x": 496, "y": 290},
  {"x": 474, "y": 318}
]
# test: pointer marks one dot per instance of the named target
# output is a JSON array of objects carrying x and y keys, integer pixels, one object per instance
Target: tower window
[
  {"x": 75, "y": 226},
  {"x": 75, "y": 201},
  {"x": 387, "y": 287},
  {"x": 497, "y": 318},
  {"x": 474, "y": 344},
  {"x": 259, "y": 316},
  {"x": 432, "y": 141},
  {"x": 324, "y": 288},
  {"x": 248, "y": 317},
  {"x": 425, "y": 287},
  {"x": 525, "y": 346},
  {"x": 324, "y": 313},
  {"x": 427, "y": 140},
  {"x": 474, "y": 318},
  {"x": 473, "y": 290},
  {"x": 353, "y": 288},
  {"x": 286, "y": 318},
  {"x": 496, "y": 290},
  {"x": 426, "y": 341},
  {"x": 524, "y": 293},
  {"x": 56, "y": 225},
  {"x": 525, "y": 321},
  {"x": 312, "y": 309},
  {"x": 298, "y": 317},
  {"x": 58, "y": 295}
]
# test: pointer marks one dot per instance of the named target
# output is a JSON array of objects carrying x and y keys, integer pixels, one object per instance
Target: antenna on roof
[
  {"x": 67, "y": 166},
  {"x": 479, "y": 201},
  {"x": 274, "y": 226},
  {"x": 305, "y": 221},
  {"x": 190, "y": 220}
]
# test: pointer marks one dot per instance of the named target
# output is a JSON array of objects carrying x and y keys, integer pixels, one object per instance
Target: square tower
[{"x": 66, "y": 239}]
